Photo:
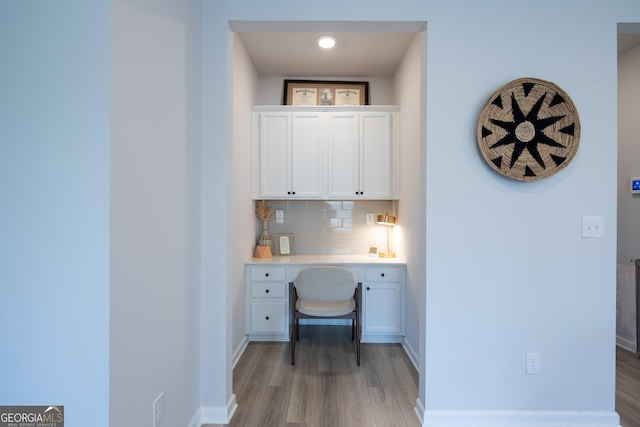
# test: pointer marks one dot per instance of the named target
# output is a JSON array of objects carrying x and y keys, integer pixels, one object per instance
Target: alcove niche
[{"x": 391, "y": 56}]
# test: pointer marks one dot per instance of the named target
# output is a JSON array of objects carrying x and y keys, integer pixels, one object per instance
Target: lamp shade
[{"x": 386, "y": 219}]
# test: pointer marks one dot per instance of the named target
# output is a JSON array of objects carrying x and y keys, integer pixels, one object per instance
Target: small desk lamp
[{"x": 389, "y": 221}]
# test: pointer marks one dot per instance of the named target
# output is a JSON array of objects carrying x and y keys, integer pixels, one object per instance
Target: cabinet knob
[
  {"x": 267, "y": 291},
  {"x": 288, "y": 192},
  {"x": 266, "y": 274},
  {"x": 368, "y": 288},
  {"x": 381, "y": 274},
  {"x": 267, "y": 318}
]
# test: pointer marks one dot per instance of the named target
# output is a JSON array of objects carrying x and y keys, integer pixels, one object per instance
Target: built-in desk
[{"x": 267, "y": 290}]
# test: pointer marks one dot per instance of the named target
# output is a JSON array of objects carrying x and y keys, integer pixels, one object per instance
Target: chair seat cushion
[{"x": 325, "y": 308}]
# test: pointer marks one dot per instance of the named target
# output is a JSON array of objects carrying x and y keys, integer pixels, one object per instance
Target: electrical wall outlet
[
  {"x": 159, "y": 409},
  {"x": 369, "y": 219},
  {"x": 533, "y": 364}
]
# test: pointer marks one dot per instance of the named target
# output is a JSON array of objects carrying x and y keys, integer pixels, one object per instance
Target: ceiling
[
  {"x": 357, "y": 54},
  {"x": 296, "y": 54}
]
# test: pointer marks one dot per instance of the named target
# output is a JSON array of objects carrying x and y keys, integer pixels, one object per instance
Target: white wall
[
  {"x": 628, "y": 205},
  {"x": 155, "y": 191},
  {"x": 54, "y": 198},
  {"x": 241, "y": 212},
  {"x": 217, "y": 400},
  {"x": 410, "y": 79}
]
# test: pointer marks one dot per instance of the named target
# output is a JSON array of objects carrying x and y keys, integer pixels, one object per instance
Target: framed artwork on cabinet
[
  {"x": 325, "y": 92},
  {"x": 283, "y": 244}
]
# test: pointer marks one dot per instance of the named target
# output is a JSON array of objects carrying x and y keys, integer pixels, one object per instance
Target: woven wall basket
[{"x": 528, "y": 130}]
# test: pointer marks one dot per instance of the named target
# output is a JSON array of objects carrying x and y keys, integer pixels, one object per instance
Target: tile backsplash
[{"x": 329, "y": 226}]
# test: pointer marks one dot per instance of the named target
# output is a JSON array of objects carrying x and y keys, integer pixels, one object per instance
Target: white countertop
[{"x": 326, "y": 259}]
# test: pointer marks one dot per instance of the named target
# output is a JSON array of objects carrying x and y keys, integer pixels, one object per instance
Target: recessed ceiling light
[{"x": 326, "y": 42}]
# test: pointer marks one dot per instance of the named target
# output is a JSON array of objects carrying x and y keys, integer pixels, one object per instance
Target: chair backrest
[{"x": 325, "y": 283}]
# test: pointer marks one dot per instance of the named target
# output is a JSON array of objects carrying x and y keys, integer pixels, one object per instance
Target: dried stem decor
[{"x": 264, "y": 213}]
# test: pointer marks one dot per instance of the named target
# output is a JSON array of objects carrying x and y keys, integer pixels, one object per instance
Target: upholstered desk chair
[{"x": 325, "y": 292}]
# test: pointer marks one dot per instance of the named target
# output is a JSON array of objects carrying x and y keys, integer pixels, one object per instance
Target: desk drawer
[
  {"x": 268, "y": 317},
  {"x": 268, "y": 290},
  {"x": 382, "y": 274},
  {"x": 267, "y": 274}
]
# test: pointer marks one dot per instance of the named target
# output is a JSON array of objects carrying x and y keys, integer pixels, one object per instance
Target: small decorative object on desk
[{"x": 264, "y": 213}]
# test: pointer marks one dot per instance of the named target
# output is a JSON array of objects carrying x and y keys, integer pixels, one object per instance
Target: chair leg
[
  {"x": 357, "y": 341},
  {"x": 353, "y": 329},
  {"x": 298, "y": 329},
  {"x": 292, "y": 338}
]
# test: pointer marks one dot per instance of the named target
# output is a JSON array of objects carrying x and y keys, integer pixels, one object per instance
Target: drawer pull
[
  {"x": 267, "y": 318},
  {"x": 267, "y": 291},
  {"x": 382, "y": 275},
  {"x": 368, "y": 288},
  {"x": 266, "y": 275}
]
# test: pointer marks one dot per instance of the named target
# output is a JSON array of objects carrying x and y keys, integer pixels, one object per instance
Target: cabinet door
[
  {"x": 307, "y": 159},
  {"x": 275, "y": 154},
  {"x": 343, "y": 154},
  {"x": 377, "y": 155},
  {"x": 382, "y": 308}
]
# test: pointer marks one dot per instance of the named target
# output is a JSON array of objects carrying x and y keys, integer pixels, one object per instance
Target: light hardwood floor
[
  {"x": 628, "y": 388},
  {"x": 326, "y": 388}
]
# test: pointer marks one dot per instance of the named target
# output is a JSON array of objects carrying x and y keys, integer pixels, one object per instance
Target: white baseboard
[
  {"x": 419, "y": 410},
  {"x": 626, "y": 343},
  {"x": 237, "y": 354},
  {"x": 413, "y": 356},
  {"x": 214, "y": 414},
  {"x": 195, "y": 420},
  {"x": 519, "y": 418}
]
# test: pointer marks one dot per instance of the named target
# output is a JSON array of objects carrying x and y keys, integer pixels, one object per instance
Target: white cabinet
[
  {"x": 378, "y": 155},
  {"x": 267, "y": 307},
  {"x": 362, "y": 155},
  {"x": 266, "y": 316},
  {"x": 343, "y": 150},
  {"x": 383, "y": 313},
  {"x": 288, "y": 155},
  {"x": 325, "y": 153}
]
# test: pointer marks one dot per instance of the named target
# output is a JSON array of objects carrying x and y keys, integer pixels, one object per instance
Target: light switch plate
[
  {"x": 592, "y": 227},
  {"x": 279, "y": 216}
]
